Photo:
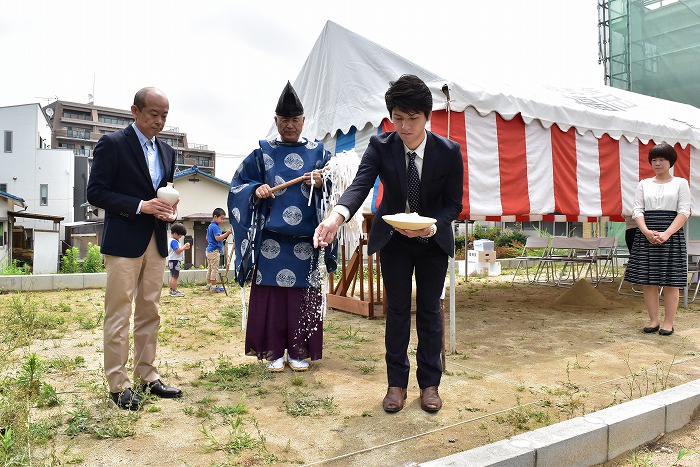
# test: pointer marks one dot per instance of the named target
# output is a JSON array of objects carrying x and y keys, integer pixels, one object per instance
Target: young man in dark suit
[
  {"x": 128, "y": 167},
  {"x": 421, "y": 172}
]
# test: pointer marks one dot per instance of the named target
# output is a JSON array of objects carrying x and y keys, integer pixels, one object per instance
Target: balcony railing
[{"x": 77, "y": 134}]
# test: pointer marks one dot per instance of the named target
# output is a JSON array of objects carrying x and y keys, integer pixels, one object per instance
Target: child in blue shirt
[
  {"x": 175, "y": 256},
  {"x": 215, "y": 248}
]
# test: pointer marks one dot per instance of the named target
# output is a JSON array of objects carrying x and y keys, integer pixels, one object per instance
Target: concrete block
[
  {"x": 68, "y": 281},
  {"x": 681, "y": 403},
  {"x": 194, "y": 275},
  {"x": 504, "y": 453},
  {"x": 95, "y": 280},
  {"x": 575, "y": 442},
  {"x": 631, "y": 424},
  {"x": 36, "y": 282},
  {"x": 10, "y": 283}
]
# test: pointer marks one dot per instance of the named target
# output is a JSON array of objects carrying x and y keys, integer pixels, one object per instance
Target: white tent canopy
[
  {"x": 582, "y": 151},
  {"x": 344, "y": 78}
]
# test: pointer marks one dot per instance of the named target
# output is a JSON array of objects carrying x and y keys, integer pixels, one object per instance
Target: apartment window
[
  {"x": 2, "y": 234},
  {"x": 44, "y": 194},
  {"x": 123, "y": 121},
  {"x": 81, "y": 133},
  {"x": 3, "y": 187},
  {"x": 76, "y": 115},
  {"x": 8, "y": 141}
]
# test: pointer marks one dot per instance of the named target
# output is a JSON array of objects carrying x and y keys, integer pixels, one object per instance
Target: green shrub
[
  {"x": 508, "y": 243},
  {"x": 14, "y": 269},
  {"x": 93, "y": 259},
  {"x": 69, "y": 261}
]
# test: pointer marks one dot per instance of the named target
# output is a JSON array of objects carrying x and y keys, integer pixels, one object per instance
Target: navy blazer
[
  {"x": 440, "y": 193},
  {"x": 119, "y": 180}
]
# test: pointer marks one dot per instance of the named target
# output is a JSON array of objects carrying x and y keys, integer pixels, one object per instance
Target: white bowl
[{"x": 412, "y": 221}]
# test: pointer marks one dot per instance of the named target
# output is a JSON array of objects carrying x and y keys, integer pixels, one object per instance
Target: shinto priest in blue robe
[{"x": 284, "y": 249}]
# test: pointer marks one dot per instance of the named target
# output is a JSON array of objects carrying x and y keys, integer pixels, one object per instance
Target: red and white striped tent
[{"x": 557, "y": 154}]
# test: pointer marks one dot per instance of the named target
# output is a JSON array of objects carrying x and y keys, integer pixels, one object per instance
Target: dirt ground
[{"x": 525, "y": 357}]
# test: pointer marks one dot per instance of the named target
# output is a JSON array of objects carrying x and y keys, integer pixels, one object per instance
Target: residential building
[
  {"x": 42, "y": 177},
  {"x": 78, "y": 126},
  {"x": 7, "y": 206},
  {"x": 200, "y": 194}
]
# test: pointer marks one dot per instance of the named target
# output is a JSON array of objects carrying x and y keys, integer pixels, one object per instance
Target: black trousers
[{"x": 400, "y": 259}]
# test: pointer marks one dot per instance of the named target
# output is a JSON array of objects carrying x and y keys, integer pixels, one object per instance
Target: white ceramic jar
[{"x": 168, "y": 194}]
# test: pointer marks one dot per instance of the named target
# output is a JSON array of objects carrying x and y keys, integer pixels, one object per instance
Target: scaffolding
[{"x": 651, "y": 47}]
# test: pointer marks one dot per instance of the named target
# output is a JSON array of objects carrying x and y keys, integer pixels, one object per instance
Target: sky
[{"x": 224, "y": 63}]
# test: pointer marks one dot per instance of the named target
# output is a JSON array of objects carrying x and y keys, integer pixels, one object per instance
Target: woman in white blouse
[{"x": 661, "y": 208}]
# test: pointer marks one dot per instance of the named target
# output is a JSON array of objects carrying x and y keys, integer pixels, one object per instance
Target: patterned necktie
[{"x": 413, "y": 182}]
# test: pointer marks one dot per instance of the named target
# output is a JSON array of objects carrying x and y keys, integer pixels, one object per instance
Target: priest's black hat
[{"x": 289, "y": 104}]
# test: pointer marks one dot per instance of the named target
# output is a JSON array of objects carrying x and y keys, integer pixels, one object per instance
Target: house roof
[
  {"x": 16, "y": 199},
  {"x": 194, "y": 170}
]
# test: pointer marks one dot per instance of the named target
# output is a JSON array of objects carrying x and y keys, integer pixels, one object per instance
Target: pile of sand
[{"x": 582, "y": 293}]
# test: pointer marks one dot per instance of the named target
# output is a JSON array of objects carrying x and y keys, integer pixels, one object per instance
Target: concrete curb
[
  {"x": 42, "y": 282},
  {"x": 589, "y": 440}
]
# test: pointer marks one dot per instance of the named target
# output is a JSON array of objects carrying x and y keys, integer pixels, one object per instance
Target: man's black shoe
[
  {"x": 157, "y": 388},
  {"x": 126, "y": 399}
]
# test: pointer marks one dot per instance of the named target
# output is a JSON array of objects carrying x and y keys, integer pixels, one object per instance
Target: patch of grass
[
  {"x": 352, "y": 335},
  {"x": 228, "y": 410},
  {"x": 238, "y": 439},
  {"x": 236, "y": 377},
  {"x": 102, "y": 422},
  {"x": 645, "y": 381},
  {"x": 230, "y": 318},
  {"x": 364, "y": 358},
  {"x": 330, "y": 327},
  {"x": 65, "y": 364},
  {"x": 305, "y": 406},
  {"x": 366, "y": 369},
  {"x": 471, "y": 409},
  {"x": 79, "y": 419},
  {"x": 88, "y": 322},
  {"x": 524, "y": 418}
]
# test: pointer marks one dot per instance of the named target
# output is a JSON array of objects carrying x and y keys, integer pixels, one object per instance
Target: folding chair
[
  {"x": 557, "y": 252},
  {"x": 581, "y": 262},
  {"x": 534, "y": 250},
  {"x": 693, "y": 271},
  {"x": 607, "y": 254}
]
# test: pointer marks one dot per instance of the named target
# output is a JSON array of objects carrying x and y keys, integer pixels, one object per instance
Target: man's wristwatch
[{"x": 433, "y": 231}]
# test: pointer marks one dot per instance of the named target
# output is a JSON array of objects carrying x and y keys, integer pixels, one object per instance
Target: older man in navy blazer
[
  {"x": 128, "y": 167},
  {"x": 421, "y": 172}
]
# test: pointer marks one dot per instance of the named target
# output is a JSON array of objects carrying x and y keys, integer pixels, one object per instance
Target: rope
[{"x": 446, "y": 427}]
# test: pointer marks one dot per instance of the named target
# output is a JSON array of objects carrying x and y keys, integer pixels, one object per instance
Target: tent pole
[
  {"x": 446, "y": 92},
  {"x": 453, "y": 324}
]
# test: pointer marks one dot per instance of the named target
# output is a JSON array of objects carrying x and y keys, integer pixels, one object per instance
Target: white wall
[
  {"x": 201, "y": 197},
  {"x": 45, "y": 252}
]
